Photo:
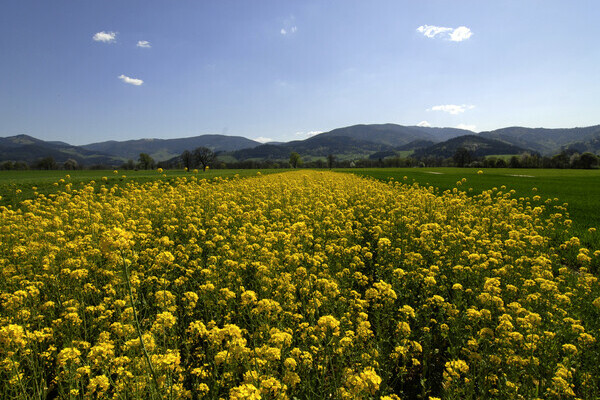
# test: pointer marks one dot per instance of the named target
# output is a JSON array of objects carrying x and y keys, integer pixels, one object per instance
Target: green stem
[
  {"x": 137, "y": 323},
  {"x": 18, "y": 377}
]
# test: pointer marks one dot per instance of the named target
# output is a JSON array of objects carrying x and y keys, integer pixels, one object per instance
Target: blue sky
[{"x": 283, "y": 70}]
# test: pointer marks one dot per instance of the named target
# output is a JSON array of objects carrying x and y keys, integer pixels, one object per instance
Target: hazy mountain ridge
[
  {"x": 355, "y": 140},
  {"x": 316, "y": 146},
  {"x": 416, "y": 144},
  {"x": 478, "y": 146},
  {"x": 591, "y": 146},
  {"x": 543, "y": 140},
  {"x": 25, "y": 148},
  {"x": 164, "y": 149},
  {"x": 352, "y": 142},
  {"x": 394, "y": 135}
]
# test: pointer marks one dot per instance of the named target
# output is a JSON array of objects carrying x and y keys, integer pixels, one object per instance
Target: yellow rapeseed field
[{"x": 300, "y": 285}]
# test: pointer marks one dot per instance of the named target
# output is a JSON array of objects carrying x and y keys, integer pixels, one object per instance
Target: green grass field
[
  {"x": 16, "y": 186},
  {"x": 580, "y": 189}
]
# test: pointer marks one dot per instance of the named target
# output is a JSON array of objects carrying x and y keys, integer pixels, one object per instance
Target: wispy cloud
[
  {"x": 262, "y": 139},
  {"x": 106, "y": 37},
  {"x": 288, "y": 26},
  {"x": 424, "y": 123},
  {"x": 453, "y": 34},
  {"x": 466, "y": 126},
  {"x": 131, "y": 81},
  {"x": 308, "y": 134},
  {"x": 289, "y": 31},
  {"x": 453, "y": 109},
  {"x": 143, "y": 43}
]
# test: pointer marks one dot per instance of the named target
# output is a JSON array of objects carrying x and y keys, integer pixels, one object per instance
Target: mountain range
[
  {"x": 545, "y": 141},
  {"x": 352, "y": 142},
  {"x": 28, "y": 149},
  {"x": 163, "y": 149},
  {"x": 25, "y": 148}
]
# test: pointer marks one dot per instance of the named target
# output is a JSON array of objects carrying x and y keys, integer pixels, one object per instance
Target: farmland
[
  {"x": 301, "y": 284},
  {"x": 16, "y": 186},
  {"x": 580, "y": 189}
]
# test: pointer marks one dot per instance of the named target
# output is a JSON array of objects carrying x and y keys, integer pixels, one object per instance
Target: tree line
[{"x": 203, "y": 158}]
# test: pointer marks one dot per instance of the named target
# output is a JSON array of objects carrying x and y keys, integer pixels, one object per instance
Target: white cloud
[
  {"x": 452, "y": 108},
  {"x": 262, "y": 139},
  {"x": 143, "y": 43},
  {"x": 461, "y": 33},
  {"x": 131, "y": 81},
  {"x": 424, "y": 123},
  {"x": 308, "y": 134},
  {"x": 106, "y": 37},
  {"x": 466, "y": 126},
  {"x": 432, "y": 31},
  {"x": 291, "y": 30},
  {"x": 453, "y": 34}
]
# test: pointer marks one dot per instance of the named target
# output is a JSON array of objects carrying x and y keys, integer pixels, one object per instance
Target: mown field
[
  {"x": 16, "y": 186},
  {"x": 580, "y": 189},
  {"x": 297, "y": 285}
]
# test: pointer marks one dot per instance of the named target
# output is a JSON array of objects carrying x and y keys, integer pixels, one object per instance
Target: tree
[
  {"x": 295, "y": 160},
  {"x": 204, "y": 156},
  {"x": 146, "y": 162},
  {"x": 46, "y": 163},
  {"x": 530, "y": 160},
  {"x": 188, "y": 160},
  {"x": 561, "y": 160},
  {"x": 500, "y": 163},
  {"x": 71, "y": 164},
  {"x": 462, "y": 157},
  {"x": 7, "y": 165},
  {"x": 587, "y": 161},
  {"x": 330, "y": 161},
  {"x": 514, "y": 162},
  {"x": 21, "y": 165}
]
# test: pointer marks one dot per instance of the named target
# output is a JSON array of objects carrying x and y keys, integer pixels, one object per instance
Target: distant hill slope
[
  {"x": 29, "y": 149},
  {"x": 164, "y": 149},
  {"x": 13, "y": 142},
  {"x": 316, "y": 146},
  {"x": 265, "y": 151},
  {"x": 591, "y": 146},
  {"x": 357, "y": 140},
  {"x": 394, "y": 135},
  {"x": 416, "y": 144},
  {"x": 350, "y": 143},
  {"x": 542, "y": 140},
  {"x": 322, "y": 145},
  {"x": 477, "y": 145}
]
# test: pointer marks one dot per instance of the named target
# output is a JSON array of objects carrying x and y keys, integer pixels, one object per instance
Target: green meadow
[
  {"x": 580, "y": 189},
  {"x": 16, "y": 186}
]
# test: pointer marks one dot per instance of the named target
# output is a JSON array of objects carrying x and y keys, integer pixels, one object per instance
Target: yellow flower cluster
[{"x": 294, "y": 285}]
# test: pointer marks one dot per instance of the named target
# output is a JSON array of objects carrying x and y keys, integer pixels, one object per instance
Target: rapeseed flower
[{"x": 301, "y": 284}]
